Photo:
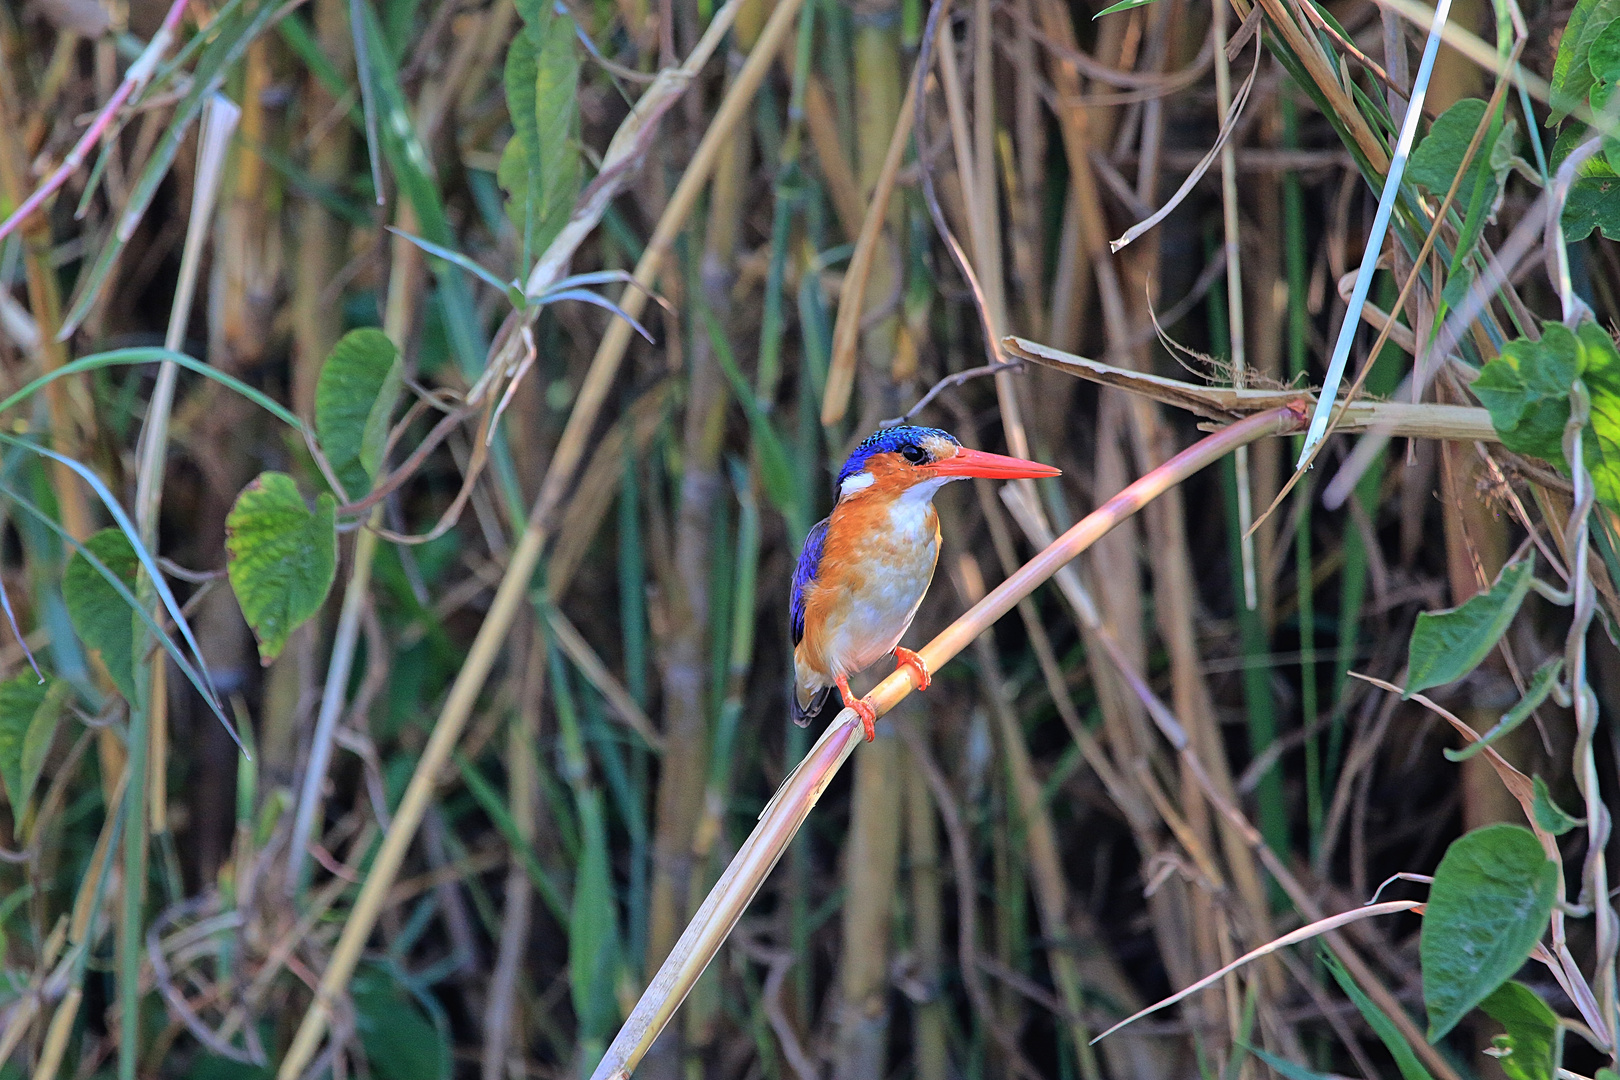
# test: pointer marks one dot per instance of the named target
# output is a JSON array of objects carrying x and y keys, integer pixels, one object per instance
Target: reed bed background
[{"x": 545, "y": 699}]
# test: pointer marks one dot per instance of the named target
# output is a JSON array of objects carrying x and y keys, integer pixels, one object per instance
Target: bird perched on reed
[{"x": 864, "y": 568}]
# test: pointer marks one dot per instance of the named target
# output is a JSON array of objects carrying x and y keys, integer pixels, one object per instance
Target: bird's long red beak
[{"x": 967, "y": 462}]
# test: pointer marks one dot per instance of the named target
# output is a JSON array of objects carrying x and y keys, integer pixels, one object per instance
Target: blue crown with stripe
[{"x": 892, "y": 440}]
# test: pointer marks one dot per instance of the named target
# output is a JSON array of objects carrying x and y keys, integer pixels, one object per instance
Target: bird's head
[{"x": 898, "y": 459}]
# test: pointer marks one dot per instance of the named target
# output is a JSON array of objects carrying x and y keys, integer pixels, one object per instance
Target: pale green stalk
[
  {"x": 396, "y": 322},
  {"x": 1237, "y": 338},
  {"x": 219, "y": 121}
]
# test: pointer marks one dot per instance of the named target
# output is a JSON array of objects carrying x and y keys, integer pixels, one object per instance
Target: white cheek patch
[{"x": 859, "y": 482}]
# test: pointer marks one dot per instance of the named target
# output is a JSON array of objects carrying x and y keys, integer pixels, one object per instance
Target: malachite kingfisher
[{"x": 865, "y": 567}]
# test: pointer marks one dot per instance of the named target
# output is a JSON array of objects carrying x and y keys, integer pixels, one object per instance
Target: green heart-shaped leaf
[{"x": 282, "y": 557}]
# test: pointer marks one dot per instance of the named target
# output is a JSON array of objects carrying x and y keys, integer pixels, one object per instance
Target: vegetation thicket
[{"x": 411, "y": 412}]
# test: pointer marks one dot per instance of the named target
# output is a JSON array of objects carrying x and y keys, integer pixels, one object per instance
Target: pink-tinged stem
[
  {"x": 136, "y": 77},
  {"x": 785, "y": 813},
  {"x": 1093, "y": 527}
]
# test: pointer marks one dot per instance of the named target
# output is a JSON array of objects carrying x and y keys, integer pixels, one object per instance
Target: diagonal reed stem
[{"x": 787, "y": 811}]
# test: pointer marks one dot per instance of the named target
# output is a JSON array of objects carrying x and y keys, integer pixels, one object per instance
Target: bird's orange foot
[
  {"x": 906, "y": 658},
  {"x": 868, "y": 715},
  {"x": 862, "y": 707}
]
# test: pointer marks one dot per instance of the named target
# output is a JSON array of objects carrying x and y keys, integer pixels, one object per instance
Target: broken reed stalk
[{"x": 786, "y": 812}]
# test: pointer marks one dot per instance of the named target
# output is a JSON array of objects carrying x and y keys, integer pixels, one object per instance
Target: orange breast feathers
[{"x": 878, "y": 559}]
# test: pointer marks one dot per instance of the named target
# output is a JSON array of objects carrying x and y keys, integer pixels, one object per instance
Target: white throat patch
[
  {"x": 858, "y": 482},
  {"x": 909, "y": 514}
]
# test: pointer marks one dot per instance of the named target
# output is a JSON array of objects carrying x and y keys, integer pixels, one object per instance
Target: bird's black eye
[{"x": 914, "y": 453}]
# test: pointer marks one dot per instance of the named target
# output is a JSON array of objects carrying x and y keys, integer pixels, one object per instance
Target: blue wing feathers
[{"x": 804, "y": 574}]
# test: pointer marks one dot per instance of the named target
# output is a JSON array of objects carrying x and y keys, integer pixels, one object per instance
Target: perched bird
[{"x": 865, "y": 568}]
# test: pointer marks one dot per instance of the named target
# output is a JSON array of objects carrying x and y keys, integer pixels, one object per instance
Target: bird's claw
[
  {"x": 863, "y": 709},
  {"x": 905, "y": 658},
  {"x": 868, "y": 715}
]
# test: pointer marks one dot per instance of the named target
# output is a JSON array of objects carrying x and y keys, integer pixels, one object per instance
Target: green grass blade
[{"x": 148, "y": 355}]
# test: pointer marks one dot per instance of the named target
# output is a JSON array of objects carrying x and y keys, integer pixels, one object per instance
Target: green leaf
[
  {"x": 1504, "y": 156},
  {"x": 490, "y": 800},
  {"x": 1496, "y": 158},
  {"x": 104, "y": 620},
  {"x": 1439, "y": 157},
  {"x": 1491, "y": 165},
  {"x": 1534, "y": 1040},
  {"x": 540, "y": 167},
  {"x": 1541, "y": 685},
  {"x": 510, "y": 289},
  {"x": 1571, "y": 138},
  {"x": 556, "y": 107},
  {"x": 1446, "y": 645},
  {"x": 198, "y": 679},
  {"x": 593, "y": 937},
  {"x": 1285, "y": 1068},
  {"x": 1549, "y": 815},
  {"x": 512, "y": 172},
  {"x": 1565, "y": 60},
  {"x": 1593, "y": 203},
  {"x": 1526, "y": 390},
  {"x": 281, "y": 557},
  {"x": 775, "y": 464},
  {"x": 214, "y": 1067},
  {"x": 1489, "y": 904},
  {"x": 400, "y": 1043},
  {"x": 1457, "y": 287},
  {"x": 29, "y": 710},
  {"x": 1406, "y": 1059},
  {"x": 1123, "y": 5},
  {"x": 1603, "y": 62},
  {"x": 1572, "y": 74},
  {"x": 354, "y": 400},
  {"x": 1600, "y": 371}
]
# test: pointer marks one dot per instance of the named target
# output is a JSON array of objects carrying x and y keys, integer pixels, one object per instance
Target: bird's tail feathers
[
  {"x": 810, "y": 694},
  {"x": 807, "y": 709}
]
